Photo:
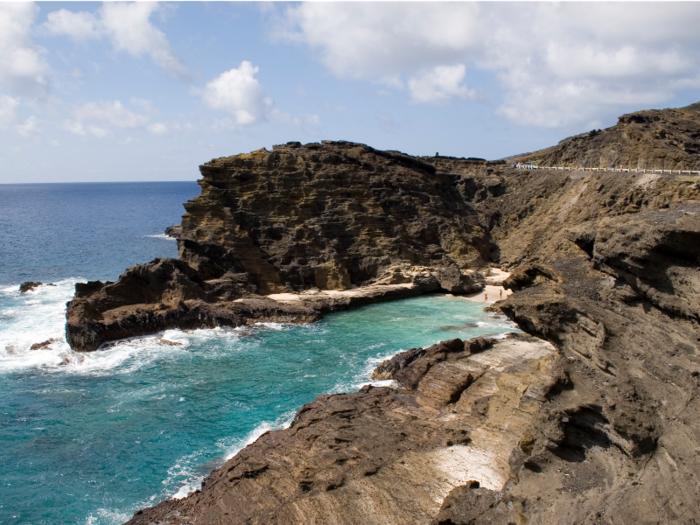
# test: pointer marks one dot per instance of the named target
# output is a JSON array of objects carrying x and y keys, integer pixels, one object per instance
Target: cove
[{"x": 113, "y": 431}]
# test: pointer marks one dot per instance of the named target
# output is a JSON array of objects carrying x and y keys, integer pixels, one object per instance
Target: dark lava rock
[
  {"x": 173, "y": 231},
  {"x": 603, "y": 421},
  {"x": 29, "y": 285},
  {"x": 331, "y": 216}
]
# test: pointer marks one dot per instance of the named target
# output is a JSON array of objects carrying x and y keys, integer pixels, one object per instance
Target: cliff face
[
  {"x": 330, "y": 216},
  {"x": 652, "y": 139},
  {"x": 599, "y": 427}
]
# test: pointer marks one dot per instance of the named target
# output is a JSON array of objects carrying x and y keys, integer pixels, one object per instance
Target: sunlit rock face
[{"x": 331, "y": 216}]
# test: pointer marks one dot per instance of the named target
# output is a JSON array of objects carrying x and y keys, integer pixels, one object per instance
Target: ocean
[{"x": 90, "y": 438}]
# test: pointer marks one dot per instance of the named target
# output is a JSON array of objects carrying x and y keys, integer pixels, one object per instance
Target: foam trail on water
[
  {"x": 34, "y": 317},
  {"x": 280, "y": 423},
  {"x": 39, "y": 316},
  {"x": 161, "y": 236}
]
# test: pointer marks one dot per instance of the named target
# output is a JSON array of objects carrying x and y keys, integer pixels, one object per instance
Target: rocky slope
[
  {"x": 601, "y": 427},
  {"x": 385, "y": 455},
  {"x": 667, "y": 139}
]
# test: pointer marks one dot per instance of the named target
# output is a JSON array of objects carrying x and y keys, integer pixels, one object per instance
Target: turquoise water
[{"x": 90, "y": 438}]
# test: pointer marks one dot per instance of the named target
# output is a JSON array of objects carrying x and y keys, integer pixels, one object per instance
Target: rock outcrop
[
  {"x": 385, "y": 455},
  {"x": 29, "y": 286},
  {"x": 331, "y": 216}
]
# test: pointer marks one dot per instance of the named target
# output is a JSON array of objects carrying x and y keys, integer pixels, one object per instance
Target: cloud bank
[{"x": 555, "y": 64}]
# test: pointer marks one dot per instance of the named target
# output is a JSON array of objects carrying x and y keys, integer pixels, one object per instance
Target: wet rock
[
  {"x": 28, "y": 286},
  {"x": 174, "y": 231},
  {"x": 591, "y": 417},
  {"x": 331, "y": 216},
  {"x": 44, "y": 344}
]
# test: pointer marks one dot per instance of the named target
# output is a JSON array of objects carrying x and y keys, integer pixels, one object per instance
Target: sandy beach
[{"x": 494, "y": 290}]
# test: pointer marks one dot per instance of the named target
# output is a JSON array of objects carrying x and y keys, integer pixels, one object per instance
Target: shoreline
[{"x": 494, "y": 290}]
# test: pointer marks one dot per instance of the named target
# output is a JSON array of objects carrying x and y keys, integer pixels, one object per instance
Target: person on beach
[
  {"x": 500, "y": 294},
  {"x": 486, "y": 297}
]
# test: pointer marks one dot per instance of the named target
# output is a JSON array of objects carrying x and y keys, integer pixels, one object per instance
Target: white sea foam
[
  {"x": 184, "y": 476},
  {"x": 161, "y": 236},
  {"x": 276, "y": 326},
  {"x": 108, "y": 517},
  {"x": 34, "y": 317},
  {"x": 39, "y": 315},
  {"x": 187, "y": 472},
  {"x": 231, "y": 449}
]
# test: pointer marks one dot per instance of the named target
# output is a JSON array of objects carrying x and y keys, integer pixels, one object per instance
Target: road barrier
[{"x": 619, "y": 170}]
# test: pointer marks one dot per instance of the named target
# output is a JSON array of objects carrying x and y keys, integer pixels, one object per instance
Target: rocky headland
[
  {"x": 333, "y": 216},
  {"x": 589, "y": 417}
]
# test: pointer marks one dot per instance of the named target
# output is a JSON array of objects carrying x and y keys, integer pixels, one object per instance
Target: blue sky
[{"x": 148, "y": 91}]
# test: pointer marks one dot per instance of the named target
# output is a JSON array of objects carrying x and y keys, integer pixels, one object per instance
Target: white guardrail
[{"x": 619, "y": 170}]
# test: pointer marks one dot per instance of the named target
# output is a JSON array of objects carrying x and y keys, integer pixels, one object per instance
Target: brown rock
[
  {"x": 29, "y": 285},
  {"x": 396, "y": 452}
]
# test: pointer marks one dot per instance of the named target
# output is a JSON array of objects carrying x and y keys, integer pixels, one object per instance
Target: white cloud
[
  {"x": 80, "y": 26},
  {"x": 239, "y": 94},
  {"x": 365, "y": 40},
  {"x": 556, "y": 64},
  {"x": 96, "y": 118},
  {"x": 128, "y": 27},
  {"x": 22, "y": 68},
  {"x": 439, "y": 84}
]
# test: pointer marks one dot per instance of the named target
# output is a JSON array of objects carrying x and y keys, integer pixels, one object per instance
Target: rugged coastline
[{"x": 590, "y": 418}]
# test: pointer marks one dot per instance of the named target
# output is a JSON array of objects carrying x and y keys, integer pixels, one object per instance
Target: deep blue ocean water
[{"x": 90, "y": 438}]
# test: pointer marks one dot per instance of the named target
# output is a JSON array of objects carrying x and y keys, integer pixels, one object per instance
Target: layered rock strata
[
  {"x": 596, "y": 423},
  {"x": 332, "y": 216},
  {"x": 608, "y": 276},
  {"x": 385, "y": 455}
]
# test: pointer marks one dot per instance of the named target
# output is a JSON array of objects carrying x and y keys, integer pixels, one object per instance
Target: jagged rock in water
[
  {"x": 28, "y": 286},
  {"x": 173, "y": 231}
]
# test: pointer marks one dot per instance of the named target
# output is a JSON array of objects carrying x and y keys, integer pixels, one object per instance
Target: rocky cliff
[
  {"x": 590, "y": 418},
  {"x": 331, "y": 216},
  {"x": 654, "y": 139},
  {"x": 594, "y": 420}
]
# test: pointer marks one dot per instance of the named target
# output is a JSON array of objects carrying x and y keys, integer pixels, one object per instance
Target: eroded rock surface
[
  {"x": 385, "y": 455},
  {"x": 593, "y": 419},
  {"x": 332, "y": 216}
]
